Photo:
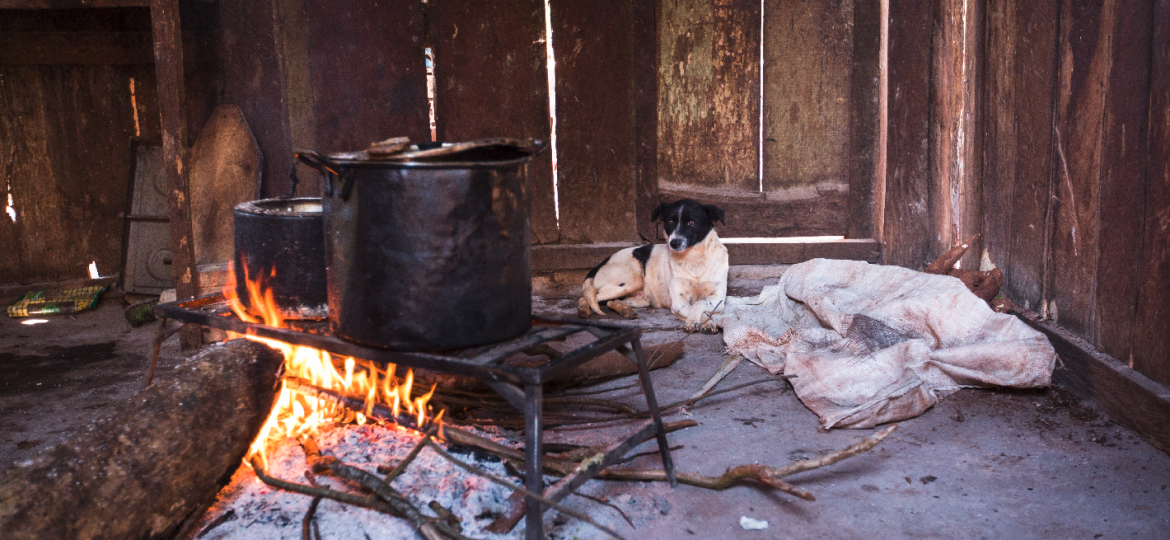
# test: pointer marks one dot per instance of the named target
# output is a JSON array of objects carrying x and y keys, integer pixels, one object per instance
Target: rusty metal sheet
[
  {"x": 808, "y": 68},
  {"x": 491, "y": 81},
  {"x": 596, "y": 128},
  {"x": 709, "y": 93}
]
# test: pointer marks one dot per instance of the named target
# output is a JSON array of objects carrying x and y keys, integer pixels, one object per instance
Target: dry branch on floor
[
  {"x": 141, "y": 471},
  {"x": 769, "y": 476}
]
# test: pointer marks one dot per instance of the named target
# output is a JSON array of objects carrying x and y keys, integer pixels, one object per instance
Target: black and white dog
[{"x": 688, "y": 274}]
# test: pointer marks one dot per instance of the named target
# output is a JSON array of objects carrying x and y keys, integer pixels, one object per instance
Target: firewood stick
[
  {"x": 770, "y": 476},
  {"x": 335, "y": 467},
  {"x": 342, "y": 497},
  {"x": 347, "y": 498},
  {"x": 401, "y": 466},
  {"x": 446, "y": 515},
  {"x": 307, "y": 521},
  {"x": 496, "y": 480},
  {"x": 728, "y": 366},
  {"x": 760, "y": 473},
  {"x": 603, "y": 502},
  {"x": 947, "y": 260}
]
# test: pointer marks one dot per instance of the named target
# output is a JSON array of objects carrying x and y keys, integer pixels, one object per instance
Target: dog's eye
[{"x": 690, "y": 223}]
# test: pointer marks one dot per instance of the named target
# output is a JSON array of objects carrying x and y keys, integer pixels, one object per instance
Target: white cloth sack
[{"x": 870, "y": 344}]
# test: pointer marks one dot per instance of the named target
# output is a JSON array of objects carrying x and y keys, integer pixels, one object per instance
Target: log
[{"x": 166, "y": 452}]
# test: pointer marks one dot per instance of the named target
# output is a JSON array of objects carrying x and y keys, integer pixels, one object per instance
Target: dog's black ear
[
  {"x": 714, "y": 213},
  {"x": 657, "y": 213}
]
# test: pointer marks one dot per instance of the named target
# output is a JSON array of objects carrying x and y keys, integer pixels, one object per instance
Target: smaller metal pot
[{"x": 286, "y": 236}]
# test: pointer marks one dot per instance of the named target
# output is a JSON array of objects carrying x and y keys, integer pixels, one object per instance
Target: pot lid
[{"x": 398, "y": 150}]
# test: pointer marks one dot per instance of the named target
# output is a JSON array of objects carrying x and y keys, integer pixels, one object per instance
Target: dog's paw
[
  {"x": 622, "y": 309},
  {"x": 709, "y": 328},
  {"x": 690, "y": 328},
  {"x": 583, "y": 310}
]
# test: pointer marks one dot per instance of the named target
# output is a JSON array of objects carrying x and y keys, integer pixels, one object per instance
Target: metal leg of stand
[
  {"x": 160, "y": 335},
  {"x": 652, "y": 402},
  {"x": 533, "y": 475}
]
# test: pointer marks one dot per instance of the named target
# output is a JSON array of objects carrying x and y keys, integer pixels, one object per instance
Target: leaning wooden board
[{"x": 225, "y": 171}]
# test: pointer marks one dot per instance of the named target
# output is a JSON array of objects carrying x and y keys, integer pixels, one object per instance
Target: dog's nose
[{"x": 676, "y": 243}]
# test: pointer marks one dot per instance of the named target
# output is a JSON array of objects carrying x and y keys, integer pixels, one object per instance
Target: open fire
[{"x": 296, "y": 414}]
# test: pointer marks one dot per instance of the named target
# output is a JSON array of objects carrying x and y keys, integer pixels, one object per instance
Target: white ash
[{"x": 260, "y": 511}]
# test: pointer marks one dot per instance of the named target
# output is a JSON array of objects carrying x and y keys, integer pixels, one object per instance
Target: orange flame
[{"x": 295, "y": 414}]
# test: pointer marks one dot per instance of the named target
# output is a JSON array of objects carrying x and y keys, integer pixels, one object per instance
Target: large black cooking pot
[
  {"x": 281, "y": 242},
  {"x": 429, "y": 249}
]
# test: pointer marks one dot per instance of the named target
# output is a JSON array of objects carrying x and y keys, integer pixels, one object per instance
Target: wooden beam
[
  {"x": 1128, "y": 397},
  {"x": 71, "y": 4},
  {"x": 168, "y": 63},
  {"x": 92, "y": 48},
  {"x": 807, "y": 211},
  {"x": 584, "y": 256}
]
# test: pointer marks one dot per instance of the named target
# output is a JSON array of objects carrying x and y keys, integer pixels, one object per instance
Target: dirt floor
[{"x": 981, "y": 464}]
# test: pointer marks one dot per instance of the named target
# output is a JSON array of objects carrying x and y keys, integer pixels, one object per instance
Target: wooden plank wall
[
  {"x": 815, "y": 173},
  {"x": 65, "y": 126},
  {"x": 1070, "y": 131},
  {"x": 1151, "y": 337},
  {"x": 709, "y": 103}
]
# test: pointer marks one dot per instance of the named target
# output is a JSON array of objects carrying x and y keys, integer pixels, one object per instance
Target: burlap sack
[{"x": 870, "y": 344}]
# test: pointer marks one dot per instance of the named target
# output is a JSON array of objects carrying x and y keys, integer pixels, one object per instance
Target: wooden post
[{"x": 168, "y": 65}]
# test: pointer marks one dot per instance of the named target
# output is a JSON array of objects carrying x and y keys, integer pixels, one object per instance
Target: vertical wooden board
[
  {"x": 491, "y": 81},
  {"x": 955, "y": 199},
  {"x": 1123, "y": 178},
  {"x": 1151, "y": 334},
  {"x": 1017, "y": 158},
  {"x": 596, "y": 166},
  {"x": 368, "y": 72},
  {"x": 252, "y": 81},
  {"x": 708, "y": 79},
  {"x": 864, "y": 116},
  {"x": 68, "y": 167},
  {"x": 91, "y": 113},
  {"x": 26, "y": 170},
  {"x": 905, "y": 240},
  {"x": 293, "y": 52},
  {"x": 1085, "y": 68},
  {"x": 646, "y": 114},
  {"x": 808, "y": 77}
]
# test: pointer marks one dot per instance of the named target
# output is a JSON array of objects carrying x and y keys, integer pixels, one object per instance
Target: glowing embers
[{"x": 297, "y": 413}]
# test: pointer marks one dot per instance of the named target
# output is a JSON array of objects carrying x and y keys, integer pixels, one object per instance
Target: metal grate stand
[{"x": 522, "y": 387}]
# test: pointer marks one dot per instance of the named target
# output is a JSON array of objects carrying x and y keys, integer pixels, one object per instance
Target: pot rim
[{"x": 265, "y": 207}]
